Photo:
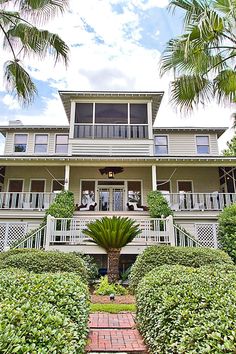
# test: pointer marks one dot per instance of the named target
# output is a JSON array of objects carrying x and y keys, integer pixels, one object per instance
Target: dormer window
[
  {"x": 202, "y": 143},
  {"x": 161, "y": 145},
  {"x": 41, "y": 143},
  {"x": 20, "y": 142}
]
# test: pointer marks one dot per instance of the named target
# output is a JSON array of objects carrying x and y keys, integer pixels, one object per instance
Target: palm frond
[
  {"x": 41, "y": 10},
  {"x": 189, "y": 91},
  {"x": 225, "y": 86},
  {"x": 31, "y": 40},
  {"x": 112, "y": 233},
  {"x": 19, "y": 82}
]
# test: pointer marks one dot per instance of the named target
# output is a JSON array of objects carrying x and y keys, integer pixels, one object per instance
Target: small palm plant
[{"x": 112, "y": 234}]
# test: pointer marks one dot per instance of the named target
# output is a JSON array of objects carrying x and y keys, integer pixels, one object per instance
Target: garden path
[{"x": 114, "y": 333}]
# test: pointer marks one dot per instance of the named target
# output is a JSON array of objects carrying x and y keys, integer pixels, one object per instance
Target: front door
[{"x": 111, "y": 198}]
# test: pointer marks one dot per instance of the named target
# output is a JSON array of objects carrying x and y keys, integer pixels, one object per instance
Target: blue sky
[{"x": 115, "y": 45}]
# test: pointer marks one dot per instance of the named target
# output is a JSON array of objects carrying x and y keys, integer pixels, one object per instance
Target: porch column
[
  {"x": 154, "y": 178},
  {"x": 67, "y": 177}
]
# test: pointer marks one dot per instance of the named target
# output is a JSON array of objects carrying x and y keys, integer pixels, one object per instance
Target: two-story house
[{"x": 110, "y": 156}]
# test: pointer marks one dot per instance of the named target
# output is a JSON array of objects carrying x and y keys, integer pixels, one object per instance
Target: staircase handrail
[
  {"x": 192, "y": 238},
  {"x": 30, "y": 236}
]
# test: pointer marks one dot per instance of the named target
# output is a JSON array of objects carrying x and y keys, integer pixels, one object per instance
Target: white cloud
[{"x": 10, "y": 102}]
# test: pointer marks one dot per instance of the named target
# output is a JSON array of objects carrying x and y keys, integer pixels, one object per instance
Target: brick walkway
[{"x": 114, "y": 333}]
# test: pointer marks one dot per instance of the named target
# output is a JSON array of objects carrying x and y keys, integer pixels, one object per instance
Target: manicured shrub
[
  {"x": 39, "y": 261},
  {"x": 188, "y": 310},
  {"x": 91, "y": 266},
  {"x": 158, "y": 205},
  {"x": 105, "y": 288},
  {"x": 62, "y": 207},
  {"x": 188, "y": 256},
  {"x": 227, "y": 230},
  {"x": 43, "y": 313}
]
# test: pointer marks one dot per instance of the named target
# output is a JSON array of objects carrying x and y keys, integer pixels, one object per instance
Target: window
[
  {"x": 41, "y": 143},
  {"x": 185, "y": 186},
  {"x": 37, "y": 186},
  {"x": 110, "y": 113},
  {"x": 20, "y": 143},
  {"x": 134, "y": 192},
  {"x": 163, "y": 186},
  {"x": 138, "y": 114},
  {"x": 15, "y": 185},
  {"x": 161, "y": 145},
  {"x": 202, "y": 144},
  {"x": 58, "y": 185},
  {"x": 84, "y": 113},
  {"x": 87, "y": 192},
  {"x": 61, "y": 144}
]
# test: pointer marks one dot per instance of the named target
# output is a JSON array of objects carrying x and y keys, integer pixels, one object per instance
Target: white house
[{"x": 110, "y": 155}]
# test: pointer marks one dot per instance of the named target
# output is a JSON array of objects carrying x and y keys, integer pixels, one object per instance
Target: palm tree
[
  {"x": 112, "y": 234},
  {"x": 203, "y": 57},
  {"x": 23, "y": 39}
]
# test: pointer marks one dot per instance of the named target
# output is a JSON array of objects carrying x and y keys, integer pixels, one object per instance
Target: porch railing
[
  {"x": 70, "y": 231},
  {"x": 25, "y": 200},
  {"x": 199, "y": 201}
]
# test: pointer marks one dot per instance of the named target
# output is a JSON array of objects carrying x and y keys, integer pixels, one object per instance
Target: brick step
[
  {"x": 104, "y": 320},
  {"x": 115, "y": 341}
]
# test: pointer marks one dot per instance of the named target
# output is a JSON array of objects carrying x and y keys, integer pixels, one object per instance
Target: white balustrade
[
  {"x": 26, "y": 200},
  {"x": 199, "y": 201}
]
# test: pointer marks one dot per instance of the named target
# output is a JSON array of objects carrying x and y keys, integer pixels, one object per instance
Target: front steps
[{"x": 114, "y": 333}]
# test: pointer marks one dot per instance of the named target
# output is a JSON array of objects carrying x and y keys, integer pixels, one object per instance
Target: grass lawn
[{"x": 112, "y": 308}]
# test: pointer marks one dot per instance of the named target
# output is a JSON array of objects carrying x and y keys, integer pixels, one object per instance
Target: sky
[{"x": 114, "y": 45}]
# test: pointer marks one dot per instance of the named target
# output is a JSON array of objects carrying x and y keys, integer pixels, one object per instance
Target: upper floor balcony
[{"x": 110, "y": 131}]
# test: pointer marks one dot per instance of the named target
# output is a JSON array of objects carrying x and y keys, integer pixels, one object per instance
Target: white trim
[
  {"x": 209, "y": 144},
  {"x": 40, "y": 153},
  {"x": 184, "y": 180},
  {"x": 37, "y": 179},
  {"x": 125, "y": 187},
  {"x": 154, "y": 144},
  {"x": 72, "y": 120},
  {"x": 27, "y": 144},
  {"x": 55, "y": 144}
]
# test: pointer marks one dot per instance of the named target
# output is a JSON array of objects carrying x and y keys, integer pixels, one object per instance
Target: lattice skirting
[
  {"x": 11, "y": 232},
  {"x": 207, "y": 234}
]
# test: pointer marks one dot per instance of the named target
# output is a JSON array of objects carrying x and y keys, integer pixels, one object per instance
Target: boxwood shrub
[
  {"x": 39, "y": 261},
  {"x": 42, "y": 313},
  {"x": 188, "y": 310},
  {"x": 188, "y": 256}
]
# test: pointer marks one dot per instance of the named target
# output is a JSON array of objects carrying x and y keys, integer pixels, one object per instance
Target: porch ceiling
[{"x": 117, "y": 161}]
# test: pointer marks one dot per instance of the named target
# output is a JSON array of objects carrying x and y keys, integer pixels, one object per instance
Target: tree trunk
[{"x": 113, "y": 257}]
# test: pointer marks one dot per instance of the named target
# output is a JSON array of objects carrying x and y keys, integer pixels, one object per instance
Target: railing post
[
  {"x": 48, "y": 232},
  {"x": 170, "y": 229}
]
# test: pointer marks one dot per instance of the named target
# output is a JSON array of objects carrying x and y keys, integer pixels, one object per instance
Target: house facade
[{"x": 110, "y": 156}]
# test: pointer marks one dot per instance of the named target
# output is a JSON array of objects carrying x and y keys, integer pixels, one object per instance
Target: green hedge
[
  {"x": 188, "y": 310},
  {"x": 227, "y": 230},
  {"x": 39, "y": 261},
  {"x": 43, "y": 313},
  {"x": 188, "y": 256}
]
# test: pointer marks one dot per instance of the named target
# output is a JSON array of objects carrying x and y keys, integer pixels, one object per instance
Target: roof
[
  {"x": 155, "y": 97},
  {"x": 18, "y": 127},
  {"x": 218, "y": 130}
]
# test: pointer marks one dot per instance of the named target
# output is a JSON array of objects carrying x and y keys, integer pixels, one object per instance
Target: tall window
[
  {"x": 203, "y": 144},
  {"x": 163, "y": 185},
  {"x": 41, "y": 143},
  {"x": 61, "y": 144},
  {"x": 161, "y": 145},
  {"x": 20, "y": 143}
]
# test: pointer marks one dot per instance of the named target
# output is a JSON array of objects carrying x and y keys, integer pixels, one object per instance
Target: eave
[
  {"x": 127, "y": 161},
  {"x": 68, "y": 96},
  {"x": 199, "y": 130}
]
